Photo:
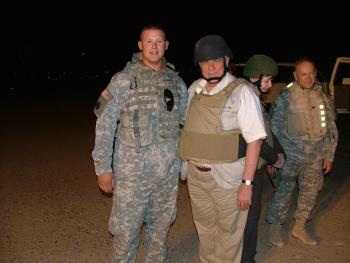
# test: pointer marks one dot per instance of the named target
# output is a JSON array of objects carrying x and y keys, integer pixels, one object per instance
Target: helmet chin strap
[
  {"x": 258, "y": 85},
  {"x": 215, "y": 80}
]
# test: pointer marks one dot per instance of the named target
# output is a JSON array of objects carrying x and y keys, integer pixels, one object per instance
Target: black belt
[{"x": 203, "y": 169}]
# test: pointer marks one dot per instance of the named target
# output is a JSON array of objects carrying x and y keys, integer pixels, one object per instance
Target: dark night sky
[{"x": 81, "y": 37}]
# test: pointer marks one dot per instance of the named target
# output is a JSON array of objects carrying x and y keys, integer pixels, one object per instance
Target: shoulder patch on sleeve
[
  {"x": 106, "y": 95},
  {"x": 104, "y": 98}
]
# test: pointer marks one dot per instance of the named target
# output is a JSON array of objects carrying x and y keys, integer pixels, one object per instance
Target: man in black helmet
[
  {"x": 220, "y": 180},
  {"x": 260, "y": 71}
]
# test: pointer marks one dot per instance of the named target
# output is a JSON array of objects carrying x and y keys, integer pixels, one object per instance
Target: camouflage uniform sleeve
[
  {"x": 279, "y": 112},
  {"x": 279, "y": 117},
  {"x": 106, "y": 124},
  {"x": 331, "y": 138},
  {"x": 183, "y": 101}
]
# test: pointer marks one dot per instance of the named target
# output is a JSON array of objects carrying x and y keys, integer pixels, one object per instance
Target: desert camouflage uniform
[
  {"x": 304, "y": 161},
  {"x": 144, "y": 154}
]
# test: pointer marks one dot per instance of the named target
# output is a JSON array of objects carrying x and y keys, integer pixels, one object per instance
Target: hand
[
  {"x": 280, "y": 161},
  {"x": 327, "y": 166},
  {"x": 183, "y": 174},
  {"x": 106, "y": 182},
  {"x": 244, "y": 196},
  {"x": 271, "y": 170}
]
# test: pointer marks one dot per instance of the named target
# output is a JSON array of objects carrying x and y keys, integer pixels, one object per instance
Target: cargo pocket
[{"x": 297, "y": 124}]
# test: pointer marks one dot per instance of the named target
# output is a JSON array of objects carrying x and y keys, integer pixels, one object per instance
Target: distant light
[{"x": 289, "y": 85}]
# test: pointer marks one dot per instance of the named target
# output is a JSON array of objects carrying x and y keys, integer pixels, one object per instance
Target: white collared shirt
[{"x": 243, "y": 111}]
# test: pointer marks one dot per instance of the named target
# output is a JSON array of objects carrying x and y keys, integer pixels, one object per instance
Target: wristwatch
[{"x": 247, "y": 182}]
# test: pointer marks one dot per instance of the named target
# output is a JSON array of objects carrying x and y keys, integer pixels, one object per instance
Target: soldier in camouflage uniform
[
  {"x": 137, "y": 159},
  {"x": 303, "y": 121},
  {"x": 260, "y": 70}
]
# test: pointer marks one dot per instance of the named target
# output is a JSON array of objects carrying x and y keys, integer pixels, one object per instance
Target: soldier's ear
[
  {"x": 139, "y": 45},
  {"x": 166, "y": 44},
  {"x": 295, "y": 76}
]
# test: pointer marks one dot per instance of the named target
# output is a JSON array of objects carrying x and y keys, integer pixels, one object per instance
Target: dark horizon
[{"x": 81, "y": 40}]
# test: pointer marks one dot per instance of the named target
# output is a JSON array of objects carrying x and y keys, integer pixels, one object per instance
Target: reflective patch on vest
[{"x": 169, "y": 99}]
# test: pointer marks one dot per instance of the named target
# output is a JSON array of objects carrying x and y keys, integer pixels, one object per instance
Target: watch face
[{"x": 247, "y": 182}]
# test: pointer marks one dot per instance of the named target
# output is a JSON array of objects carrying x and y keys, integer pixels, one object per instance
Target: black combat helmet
[{"x": 211, "y": 47}]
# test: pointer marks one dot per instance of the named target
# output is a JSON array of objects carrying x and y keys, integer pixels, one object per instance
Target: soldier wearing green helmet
[
  {"x": 259, "y": 65},
  {"x": 260, "y": 70}
]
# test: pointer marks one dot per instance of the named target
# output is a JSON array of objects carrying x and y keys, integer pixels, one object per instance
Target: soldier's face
[
  {"x": 266, "y": 83},
  {"x": 305, "y": 74},
  {"x": 212, "y": 68},
  {"x": 153, "y": 45}
]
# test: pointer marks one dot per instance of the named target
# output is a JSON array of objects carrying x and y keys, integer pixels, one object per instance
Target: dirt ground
[{"x": 52, "y": 211}]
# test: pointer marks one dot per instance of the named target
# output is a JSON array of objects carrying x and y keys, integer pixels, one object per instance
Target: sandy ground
[{"x": 52, "y": 211}]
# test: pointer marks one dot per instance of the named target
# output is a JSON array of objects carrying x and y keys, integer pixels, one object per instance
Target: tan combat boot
[
  {"x": 299, "y": 232},
  {"x": 275, "y": 235}
]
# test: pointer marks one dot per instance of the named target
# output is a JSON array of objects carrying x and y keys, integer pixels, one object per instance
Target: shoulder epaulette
[{"x": 170, "y": 66}]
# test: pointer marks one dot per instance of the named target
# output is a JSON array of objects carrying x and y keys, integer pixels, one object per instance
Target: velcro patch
[
  {"x": 106, "y": 95},
  {"x": 104, "y": 98}
]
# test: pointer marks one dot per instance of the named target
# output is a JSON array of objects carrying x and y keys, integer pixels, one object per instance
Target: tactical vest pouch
[
  {"x": 297, "y": 124},
  {"x": 168, "y": 125},
  {"x": 127, "y": 133},
  {"x": 168, "y": 112},
  {"x": 209, "y": 148}
]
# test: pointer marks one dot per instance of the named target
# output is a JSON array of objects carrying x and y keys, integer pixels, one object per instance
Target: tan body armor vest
[
  {"x": 203, "y": 140},
  {"x": 307, "y": 113}
]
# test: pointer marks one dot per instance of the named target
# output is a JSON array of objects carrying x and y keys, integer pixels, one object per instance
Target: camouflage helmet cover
[
  {"x": 211, "y": 47},
  {"x": 259, "y": 65}
]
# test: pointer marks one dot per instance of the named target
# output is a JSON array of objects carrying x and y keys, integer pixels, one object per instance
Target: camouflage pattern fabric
[
  {"x": 309, "y": 177},
  {"x": 304, "y": 161},
  {"x": 146, "y": 191},
  {"x": 146, "y": 179}
]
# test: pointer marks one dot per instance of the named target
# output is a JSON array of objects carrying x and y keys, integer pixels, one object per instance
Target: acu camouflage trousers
[
  {"x": 146, "y": 192},
  {"x": 309, "y": 176}
]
